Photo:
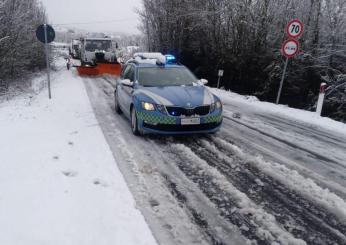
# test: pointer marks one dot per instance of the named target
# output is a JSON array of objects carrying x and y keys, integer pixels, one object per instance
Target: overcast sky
[{"x": 115, "y": 15}]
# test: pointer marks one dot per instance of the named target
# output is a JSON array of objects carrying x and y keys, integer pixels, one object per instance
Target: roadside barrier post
[{"x": 321, "y": 98}]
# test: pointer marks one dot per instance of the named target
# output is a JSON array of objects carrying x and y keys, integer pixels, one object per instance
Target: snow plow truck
[{"x": 98, "y": 57}]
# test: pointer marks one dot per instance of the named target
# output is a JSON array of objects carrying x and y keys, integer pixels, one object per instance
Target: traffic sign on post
[
  {"x": 46, "y": 34},
  {"x": 40, "y": 33},
  {"x": 220, "y": 74},
  {"x": 290, "y": 48},
  {"x": 295, "y": 28}
]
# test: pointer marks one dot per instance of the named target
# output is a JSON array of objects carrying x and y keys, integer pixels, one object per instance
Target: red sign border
[
  {"x": 284, "y": 44},
  {"x": 288, "y": 25}
]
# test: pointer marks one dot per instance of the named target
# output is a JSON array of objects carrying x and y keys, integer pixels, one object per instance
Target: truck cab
[{"x": 97, "y": 50}]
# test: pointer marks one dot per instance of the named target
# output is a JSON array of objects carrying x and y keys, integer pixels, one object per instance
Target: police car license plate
[{"x": 190, "y": 121}]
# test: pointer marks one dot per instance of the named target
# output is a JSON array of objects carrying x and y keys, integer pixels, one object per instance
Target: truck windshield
[
  {"x": 93, "y": 45},
  {"x": 163, "y": 76}
]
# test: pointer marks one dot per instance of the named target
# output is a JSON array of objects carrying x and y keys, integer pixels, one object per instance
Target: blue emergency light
[{"x": 170, "y": 59}]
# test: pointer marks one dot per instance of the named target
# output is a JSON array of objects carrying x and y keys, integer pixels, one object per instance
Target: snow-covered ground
[
  {"x": 267, "y": 175},
  {"x": 301, "y": 140},
  {"x": 272, "y": 175},
  {"x": 308, "y": 117},
  {"x": 59, "y": 182}
]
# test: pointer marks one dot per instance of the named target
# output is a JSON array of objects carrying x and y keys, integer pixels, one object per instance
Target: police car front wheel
[{"x": 134, "y": 123}]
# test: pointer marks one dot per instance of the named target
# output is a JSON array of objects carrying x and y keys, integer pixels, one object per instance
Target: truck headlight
[{"x": 148, "y": 106}]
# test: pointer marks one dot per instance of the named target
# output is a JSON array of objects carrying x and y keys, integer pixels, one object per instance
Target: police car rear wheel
[{"x": 134, "y": 123}]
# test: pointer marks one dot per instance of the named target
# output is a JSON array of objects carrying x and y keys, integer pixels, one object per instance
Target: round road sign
[
  {"x": 290, "y": 48},
  {"x": 50, "y": 34},
  {"x": 295, "y": 28}
]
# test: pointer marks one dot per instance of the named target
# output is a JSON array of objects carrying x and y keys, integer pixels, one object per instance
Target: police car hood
[{"x": 180, "y": 96}]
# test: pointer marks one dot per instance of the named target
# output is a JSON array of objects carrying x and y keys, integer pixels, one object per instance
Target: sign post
[
  {"x": 47, "y": 60},
  {"x": 46, "y": 34},
  {"x": 290, "y": 47},
  {"x": 220, "y": 74}
]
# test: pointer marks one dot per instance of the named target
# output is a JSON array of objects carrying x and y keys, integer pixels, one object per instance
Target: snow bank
[
  {"x": 282, "y": 110},
  {"x": 58, "y": 179}
]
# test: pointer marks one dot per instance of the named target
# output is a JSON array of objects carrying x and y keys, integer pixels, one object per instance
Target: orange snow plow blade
[
  {"x": 87, "y": 70},
  {"x": 112, "y": 69},
  {"x": 100, "y": 69}
]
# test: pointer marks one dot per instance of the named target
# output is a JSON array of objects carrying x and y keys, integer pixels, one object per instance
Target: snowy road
[
  {"x": 316, "y": 152},
  {"x": 262, "y": 179}
]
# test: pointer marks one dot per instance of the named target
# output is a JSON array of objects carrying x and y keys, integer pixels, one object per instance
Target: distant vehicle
[
  {"x": 160, "y": 96},
  {"x": 98, "y": 57},
  {"x": 75, "y": 49}
]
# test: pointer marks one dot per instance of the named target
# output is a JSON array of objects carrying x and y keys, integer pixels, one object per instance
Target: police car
[{"x": 160, "y": 96}]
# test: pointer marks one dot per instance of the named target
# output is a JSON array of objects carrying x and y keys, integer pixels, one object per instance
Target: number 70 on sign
[{"x": 295, "y": 28}]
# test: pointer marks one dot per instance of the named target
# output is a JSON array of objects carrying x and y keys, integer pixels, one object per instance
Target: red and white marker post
[
  {"x": 290, "y": 47},
  {"x": 321, "y": 96}
]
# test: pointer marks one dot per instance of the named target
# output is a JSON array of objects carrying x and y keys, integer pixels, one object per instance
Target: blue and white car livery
[{"x": 162, "y": 97}]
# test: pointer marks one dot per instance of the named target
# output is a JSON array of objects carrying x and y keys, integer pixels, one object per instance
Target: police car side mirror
[
  {"x": 127, "y": 82},
  {"x": 203, "y": 82}
]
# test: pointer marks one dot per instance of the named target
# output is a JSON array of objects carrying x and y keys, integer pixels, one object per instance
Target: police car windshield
[
  {"x": 93, "y": 45},
  {"x": 165, "y": 76}
]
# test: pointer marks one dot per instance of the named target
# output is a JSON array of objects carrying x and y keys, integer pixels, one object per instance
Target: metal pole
[
  {"x": 218, "y": 82},
  {"x": 282, "y": 82},
  {"x": 47, "y": 60}
]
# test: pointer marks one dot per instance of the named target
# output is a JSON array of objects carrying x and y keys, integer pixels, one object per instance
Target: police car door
[{"x": 127, "y": 91}]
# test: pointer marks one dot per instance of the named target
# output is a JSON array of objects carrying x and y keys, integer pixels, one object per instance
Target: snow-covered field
[{"x": 59, "y": 182}]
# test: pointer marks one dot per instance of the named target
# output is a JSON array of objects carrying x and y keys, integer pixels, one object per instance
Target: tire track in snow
[
  {"x": 316, "y": 134},
  {"x": 196, "y": 216},
  {"x": 295, "y": 213},
  {"x": 234, "y": 206},
  {"x": 293, "y": 145}
]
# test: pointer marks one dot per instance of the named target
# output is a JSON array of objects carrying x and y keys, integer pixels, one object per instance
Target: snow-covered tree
[
  {"x": 244, "y": 38},
  {"x": 20, "y": 51}
]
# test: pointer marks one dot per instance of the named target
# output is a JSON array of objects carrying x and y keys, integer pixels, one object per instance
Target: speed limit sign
[{"x": 295, "y": 28}]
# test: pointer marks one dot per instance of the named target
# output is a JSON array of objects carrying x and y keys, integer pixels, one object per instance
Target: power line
[{"x": 93, "y": 22}]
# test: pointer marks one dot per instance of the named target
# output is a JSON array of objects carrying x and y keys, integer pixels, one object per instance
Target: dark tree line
[
  {"x": 20, "y": 51},
  {"x": 244, "y": 37}
]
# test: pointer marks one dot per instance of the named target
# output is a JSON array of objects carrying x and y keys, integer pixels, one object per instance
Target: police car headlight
[
  {"x": 148, "y": 106},
  {"x": 215, "y": 106},
  {"x": 218, "y": 105}
]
